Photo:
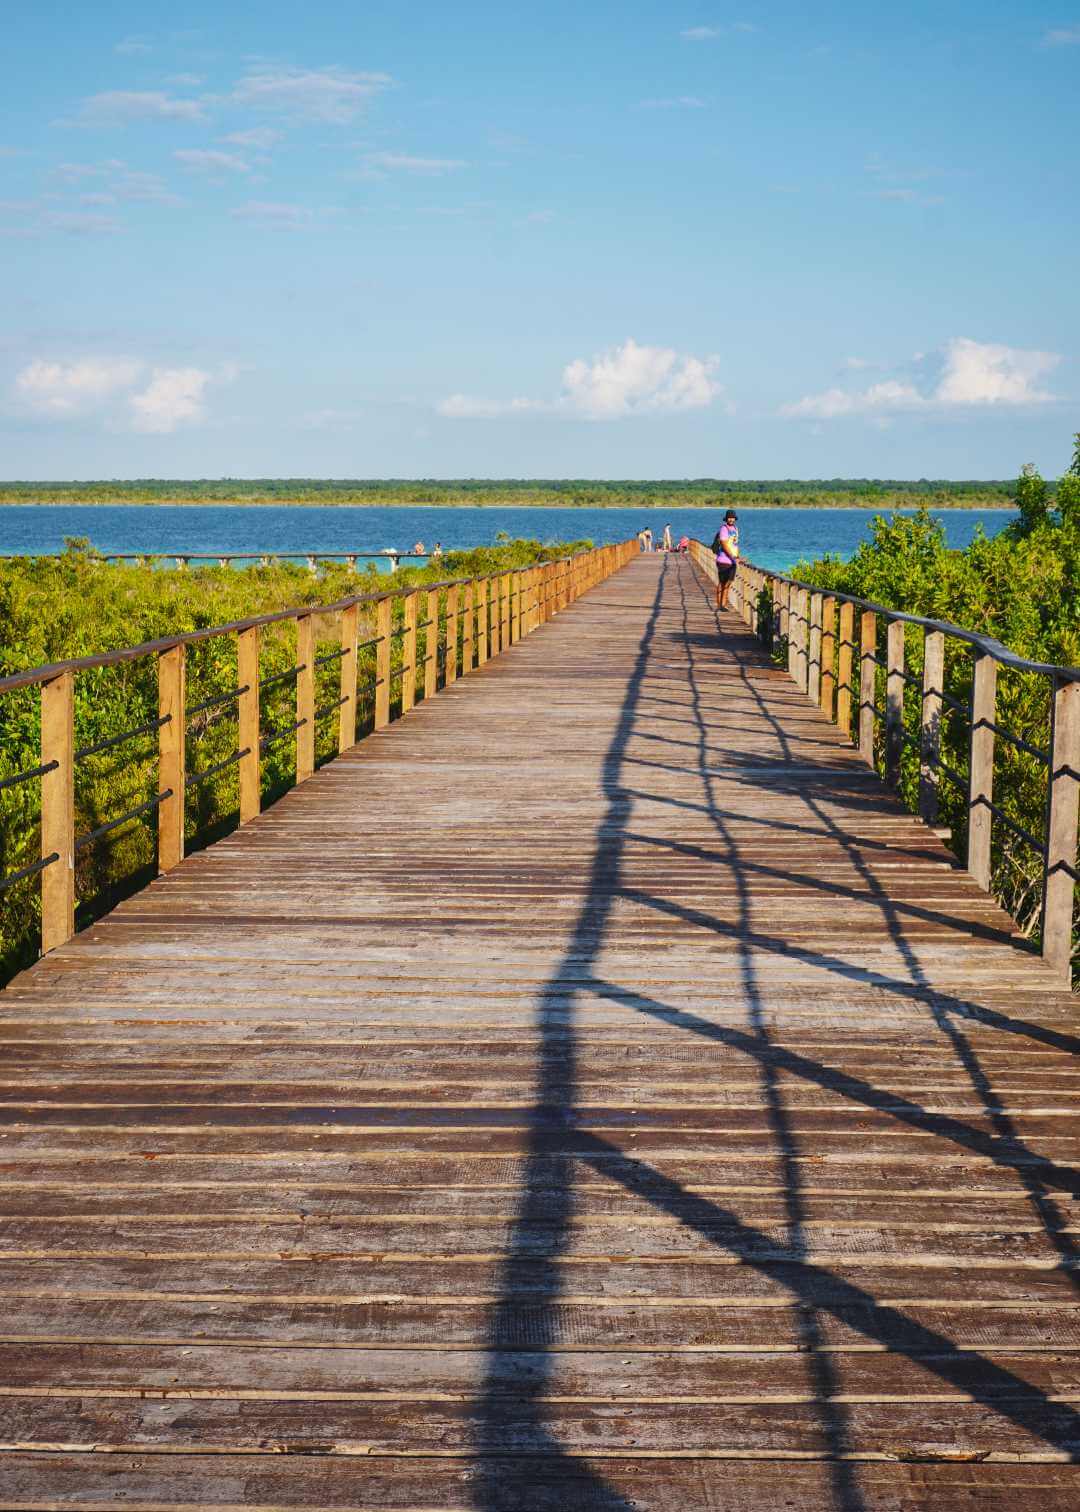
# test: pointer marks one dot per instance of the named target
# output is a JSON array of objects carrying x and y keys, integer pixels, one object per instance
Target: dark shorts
[{"x": 724, "y": 574}]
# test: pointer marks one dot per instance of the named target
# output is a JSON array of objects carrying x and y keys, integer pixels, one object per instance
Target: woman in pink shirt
[{"x": 726, "y": 547}]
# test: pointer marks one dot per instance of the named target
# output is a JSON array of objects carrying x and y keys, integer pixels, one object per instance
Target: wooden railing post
[
  {"x": 382, "y": 663},
  {"x": 1062, "y": 808},
  {"x": 791, "y": 615},
  {"x": 828, "y": 655},
  {"x": 172, "y": 766},
  {"x": 930, "y": 724},
  {"x": 468, "y": 594},
  {"x": 247, "y": 723},
  {"x": 451, "y": 634},
  {"x": 481, "y": 621},
  {"x": 58, "y": 811},
  {"x": 506, "y": 621},
  {"x": 813, "y": 665},
  {"x": 305, "y": 698},
  {"x": 431, "y": 645},
  {"x": 981, "y": 767},
  {"x": 408, "y": 652},
  {"x": 867, "y": 683},
  {"x": 802, "y": 638},
  {"x": 894, "y": 701},
  {"x": 845, "y": 659},
  {"x": 347, "y": 714},
  {"x": 494, "y": 621}
]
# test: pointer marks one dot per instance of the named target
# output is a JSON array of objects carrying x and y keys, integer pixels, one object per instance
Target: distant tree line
[{"x": 552, "y": 492}]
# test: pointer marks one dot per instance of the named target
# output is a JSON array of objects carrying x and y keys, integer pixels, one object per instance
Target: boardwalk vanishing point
[{"x": 591, "y": 1091}]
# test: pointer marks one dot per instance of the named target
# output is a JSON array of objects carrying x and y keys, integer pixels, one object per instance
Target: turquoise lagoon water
[{"x": 775, "y": 538}]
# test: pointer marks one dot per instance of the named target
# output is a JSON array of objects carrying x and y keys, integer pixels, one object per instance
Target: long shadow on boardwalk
[{"x": 512, "y": 1412}]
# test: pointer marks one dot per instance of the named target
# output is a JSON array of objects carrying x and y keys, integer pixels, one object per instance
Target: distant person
[
  {"x": 646, "y": 536},
  {"x": 668, "y": 544},
  {"x": 726, "y": 550},
  {"x": 684, "y": 544},
  {"x": 418, "y": 549},
  {"x": 641, "y": 539},
  {"x": 438, "y": 549}
]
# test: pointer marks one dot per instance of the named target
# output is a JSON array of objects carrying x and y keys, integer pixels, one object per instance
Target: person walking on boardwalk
[
  {"x": 726, "y": 549},
  {"x": 668, "y": 544},
  {"x": 646, "y": 536}
]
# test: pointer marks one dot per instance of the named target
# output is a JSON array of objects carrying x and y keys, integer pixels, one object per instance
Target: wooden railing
[
  {"x": 840, "y": 671},
  {"x": 463, "y": 622}
]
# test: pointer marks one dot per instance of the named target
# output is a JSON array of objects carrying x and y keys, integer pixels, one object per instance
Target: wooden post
[
  {"x": 469, "y": 612},
  {"x": 867, "y": 683},
  {"x": 305, "y": 698},
  {"x": 792, "y": 617},
  {"x": 172, "y": 767},
  {"x": 813, "y": 664},
  {"x": 828, "y": 655},
  {"x": 481, "y": 621},
  {"x": 894, "y": 702},
  {"x": 247, "y": 726},
  {"x": 933, "y": 686},
  {"x": 58, "y": 811},
  {"x": 350, "y": 617},
  {"x": 382, "y": 663},
  {"x": 431, "y": 645},
  {"x": 507, "y": 620},
  {"x": 451, "y": 634},
  {"x": 845, "y": 659},
  {"x": 981, "y": 767},
  {"x": 408, "y": 653},
  {"x": 802, "y": 660},
  {"x": 1062, "y": 807}
]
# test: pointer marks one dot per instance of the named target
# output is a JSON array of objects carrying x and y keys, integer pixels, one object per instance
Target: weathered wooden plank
[{"x": 661, "y": 1093}]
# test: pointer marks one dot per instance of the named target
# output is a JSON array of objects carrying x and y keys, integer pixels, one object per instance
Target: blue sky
[{"x": 589, "y": 239}]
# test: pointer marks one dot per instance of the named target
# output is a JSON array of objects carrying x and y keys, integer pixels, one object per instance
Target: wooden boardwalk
[{"x": 591, "y": 1092}]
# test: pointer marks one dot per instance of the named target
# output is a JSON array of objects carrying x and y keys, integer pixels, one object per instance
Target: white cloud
[
  {"x": 186, "y": 80},
  {"x": 402, "y": 162},
  {"x": 315, "y": 94},
  {"x": 132, "y": 47},
  {"x": 278, "y": 216},
  {"x": 69, "y": 388},
  {"x": 173, "y": 397},
  {"x": 121, "y": 182},
  {"x": 209, "y": 160},
  {"x": 80, "y": 223},
  {"x": 125, "y": 392},
  {"x": 1063, "y": 36},
  {"x": 260, "y": 138},
  {"x": 963, "y": 374},
  {"x": 678, "y": 102},
  {"x": 627, "y": 380},
  {"x": 119, "y": 107},
  {"x": 711, "y": 33}
]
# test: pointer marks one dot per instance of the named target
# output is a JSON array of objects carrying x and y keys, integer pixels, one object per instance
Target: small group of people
[
  {"x": 725, "y": 550},
  {"x": 645, "y": 540},
  {"x": 420, "y": 550}
]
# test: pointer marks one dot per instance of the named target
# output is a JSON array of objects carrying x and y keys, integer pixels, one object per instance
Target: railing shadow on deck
[{"x": 554, "y": 1478}]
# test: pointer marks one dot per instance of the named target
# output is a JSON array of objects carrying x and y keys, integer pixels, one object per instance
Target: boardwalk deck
[{"x": 591, "y": 1092}]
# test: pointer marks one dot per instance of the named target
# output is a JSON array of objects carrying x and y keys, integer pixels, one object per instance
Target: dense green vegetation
[
  {"x": 57, "y": 608},
  {"x": 1023, "y": 588},
  {"x": 560, "y": 492}
]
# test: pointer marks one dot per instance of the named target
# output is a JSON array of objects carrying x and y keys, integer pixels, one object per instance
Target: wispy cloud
[
  {"x": 963, "y": 374},
  {"x": 121, "y": 182},
  {"x": 678, "y": 102},
  {"x": 73, "y": 387},
  {"x": 122, "y": 107},
  {"x": 331, "y": 95},
  {"x": 172, "y": 398},
  {"x": 209, "y": 160},
  {"x": 1062, "y": 36},
  {"x": 277, "y": 215},
  {"x": 403, "y": 162},
  {"x": 259, "y": 138},
  {"x": 625, "y": 381},
  {"x": 133, "y": 47},
  {"x": 711, "y": 33}
]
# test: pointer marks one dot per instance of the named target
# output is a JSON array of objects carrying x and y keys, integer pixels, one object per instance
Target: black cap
[{"x": 731, "y": 515}]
